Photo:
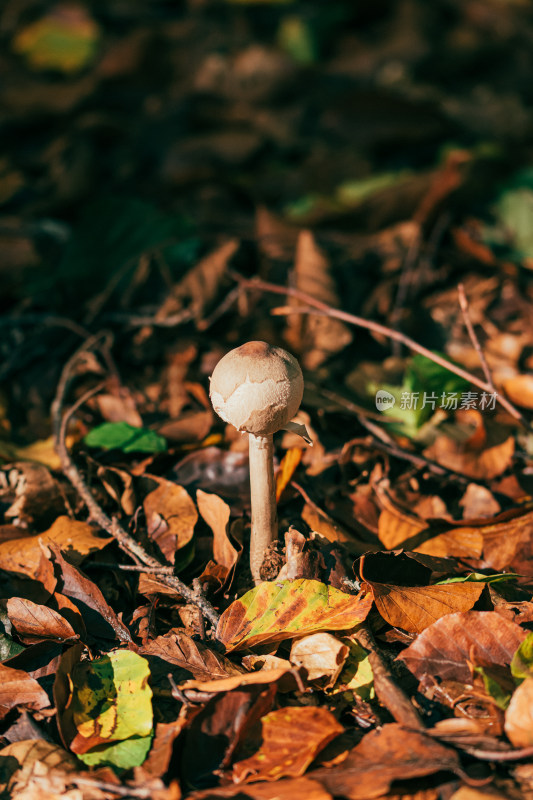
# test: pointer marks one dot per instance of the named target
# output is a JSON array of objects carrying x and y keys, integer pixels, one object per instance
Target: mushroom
[{"x": 258, "y": 388}]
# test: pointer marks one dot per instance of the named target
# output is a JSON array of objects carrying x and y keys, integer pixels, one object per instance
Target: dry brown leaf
[
  {"x": 469, "y": 793},
  {"x": 519, "y": 715},
  {"x": 322, "y": 655},
  {"x": 200, "y": 286},
  {"x": 119, "y": 484},
  {"x": 456, "y": 543},
  {"x": 285, "y": 789},
  {"x": 396, "y": 527},
  {"x": 414, "y": 608},
  {"x": 275, "y": 239},
  {"x": 216, "y": 514},
  {"x": 477, "y": 464},
  {"x": 175, "y": 647},
  {"x": 292, "y": 737},
  {"x": 35, "y": 623},
  {"x": 170, "y": 518},
  {"x": 36, "y": 758},
  {"x": 383, "y": 756},
  {"x": 315, "y": 337},
  {"x": 17, "y": 688},
  {"x": 453, "y": 645},
  {"x": 75, "y": 539},
  {"x": 478, "y": 502}
]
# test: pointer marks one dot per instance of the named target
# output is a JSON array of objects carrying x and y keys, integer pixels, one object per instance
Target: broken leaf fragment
[
  {"x": 110, "y": 710},
  {"x": 279, "y": 610}
]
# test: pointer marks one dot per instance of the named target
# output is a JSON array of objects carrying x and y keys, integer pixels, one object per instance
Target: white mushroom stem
[{"x": 263, "y": 497}]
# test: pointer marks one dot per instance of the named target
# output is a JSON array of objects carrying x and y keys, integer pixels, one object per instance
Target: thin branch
[
  {"x": 463, "y": 302},
  {"x": 322, "y": 308},
  {"x": 113, "y": 788},
  {"x": 387, "y": 690},
  {"x": 126, "y": 542}
]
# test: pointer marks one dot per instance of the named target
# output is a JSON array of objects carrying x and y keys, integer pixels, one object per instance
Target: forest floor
[{"x": 354, "y": 185}]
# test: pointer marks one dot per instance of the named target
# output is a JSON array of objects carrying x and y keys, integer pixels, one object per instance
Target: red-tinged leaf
[
  {"x": 389, "y": 754},
  {"x": 175, "y": 647},
  {"x": 34, "y": 622},
  {"x": 170, "y": 518},
  {"x": 292, "y": 737},
  {"x": 414, "y": 608},
  {"x": 452, "y": 646},
  {"x": 17, "y": 689},
  {"x": 279, "y": 610},
  {"x": 519, "y": 715}
]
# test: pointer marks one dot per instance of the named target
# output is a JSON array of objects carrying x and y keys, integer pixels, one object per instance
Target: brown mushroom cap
[{"x": 257, "y": 388}]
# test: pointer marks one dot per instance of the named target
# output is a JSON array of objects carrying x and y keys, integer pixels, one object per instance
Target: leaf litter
[{"x": 353, "y": 184}]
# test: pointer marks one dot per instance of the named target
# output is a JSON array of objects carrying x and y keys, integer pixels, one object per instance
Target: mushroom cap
[{"x": 257, "y": 388}]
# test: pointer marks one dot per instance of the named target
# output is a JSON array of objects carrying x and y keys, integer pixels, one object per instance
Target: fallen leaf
[
  {"x": 322, "y": 655},
  {"x": 279, "y": 610},
  {"x": 519, "y": 390},
  {"x": 125, "y": 437},
  {"x": 414, "y": 608},
  {"x": 175, "y": 647},
  {"x": 170, "y": 519},
  {"x": 483, "y": 464},
  {"x": 52, "y": 758},
  {"x": 17, "y": 688},
  {"x": 99, "y": 617},
  {"x": 314, "y": 337},
  {"x": 519, "y": 715},
  {"x": 383, "y": 756},
  {"x": 34, "y": 622},
  {"x": 75, "y": 539},
  {"x": 110, "y": 710},
  {"x": 283, "y": 675},
  {"x": 450, "y": 647},
  {"x": 216, "y": 513},
  {"x": 285, "y": 789},
  {"x": 287, "y": 468},
  {"x": 478, "y": 501},
  {"x": 292, "y": 737}
]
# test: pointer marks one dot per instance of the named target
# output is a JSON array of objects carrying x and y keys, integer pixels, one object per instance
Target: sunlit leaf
[{"x": 279, "y": 610}]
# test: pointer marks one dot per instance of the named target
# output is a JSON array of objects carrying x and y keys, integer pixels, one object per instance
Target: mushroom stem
[{"x": 263, "y": 497}]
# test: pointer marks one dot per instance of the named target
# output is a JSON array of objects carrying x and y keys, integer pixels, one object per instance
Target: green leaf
[
  {"x": 522, "y": 662},
  {"x": 479, "y": 577},
  {"x": 122, "y": 755},
  {"x": 499, "y": 686},
  {"x": 111, "y": 708},
  {"x": 357, "y": 675},
  {"x": 125, "y": 437},
  {"x": 279, "y": 610},
  {"x": 296, "y": 38}
]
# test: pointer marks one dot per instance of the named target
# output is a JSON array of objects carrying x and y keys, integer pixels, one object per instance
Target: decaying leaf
[
  {"x": 35, "y": 623},
  {"x": 216, "y": 514},
  {"x": 52, "y": 759},
  {"x": 279, "y": 610},
  {"x": 292, "y": 737},
  {"x": 17, "y": 688},
  {"x": 452, "y": 646}
]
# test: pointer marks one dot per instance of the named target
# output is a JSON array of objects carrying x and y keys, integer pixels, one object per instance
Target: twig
[
  {"x": 126, "y": 542},
  {"x": 113, "y": 788},
  {"x": 387, "y": 690},
  {"x": 315, "y": 305},
  {"x": 463, "y": 302}
]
